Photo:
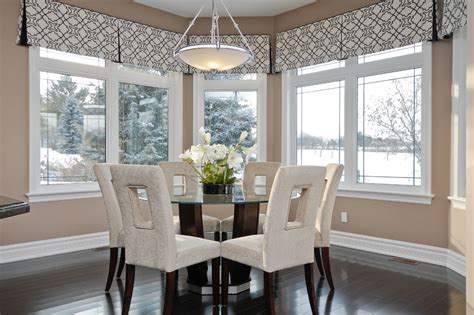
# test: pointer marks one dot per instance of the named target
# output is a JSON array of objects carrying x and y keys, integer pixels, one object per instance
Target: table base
[{"x": 207, "y": 289}]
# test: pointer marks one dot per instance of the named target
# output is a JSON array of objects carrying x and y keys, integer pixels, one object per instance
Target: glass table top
[{"x": 238, "y": 197}]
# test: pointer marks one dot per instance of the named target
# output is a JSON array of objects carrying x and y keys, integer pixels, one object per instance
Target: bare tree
[{"x": 397, "y": 117}]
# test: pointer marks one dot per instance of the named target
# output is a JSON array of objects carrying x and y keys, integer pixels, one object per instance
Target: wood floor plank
[{"x": 365, "y": 284}]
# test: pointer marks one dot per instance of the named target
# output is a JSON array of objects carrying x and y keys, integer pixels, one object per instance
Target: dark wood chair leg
[
  {"x": 130, "y": 280},
  {"x": 327, "y": 266},
  {"x": 169, "y": 294},
  {"x": 112, "y": 266},
  {"x": 269, "y": 292},
  {"x": 317, "y": 256},
  {"x": 215, "y": 281},
  {"x": 309, "y": 276},
  {"x": 217, "y": 236},
  {"x": 224, "y": 236},
  {"x": 225, "y": 281},
  {"x": 121, "y": 263}
]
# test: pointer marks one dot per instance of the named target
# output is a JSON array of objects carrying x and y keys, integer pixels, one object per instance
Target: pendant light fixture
[{"x": 214, "y": 56}]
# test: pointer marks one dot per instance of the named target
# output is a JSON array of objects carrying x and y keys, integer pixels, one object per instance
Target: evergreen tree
[
  {"x": 70, "y": 125},
  {"x": 227, "y": 119},
  {"x": 143, "y": 124}
]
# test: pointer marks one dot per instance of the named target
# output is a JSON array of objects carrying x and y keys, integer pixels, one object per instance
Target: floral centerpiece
[{"x": 216, "y": 164}]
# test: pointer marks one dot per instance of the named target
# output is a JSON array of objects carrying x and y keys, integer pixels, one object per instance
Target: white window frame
[
  {"x": 350, "y": 74},
  {"x": 458, "y": 118},
  {"x": 113, "y": 76},
  {"x": 200, "y": 86}
]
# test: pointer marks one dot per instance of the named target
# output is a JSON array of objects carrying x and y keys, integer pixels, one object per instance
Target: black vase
[{"x": 217, "y": 189}]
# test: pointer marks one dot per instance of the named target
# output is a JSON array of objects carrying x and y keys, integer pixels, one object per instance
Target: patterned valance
[
  {"x": 454, "y": 16},
  {"x": 54, "y": 25},
  {"x": 150, "y": 47},
  {"x": 69, "y": 29},
  {"x": 385, "y": 25},
  {"x": 260, "y": 45},
  {"x": 309, "y": 45}
]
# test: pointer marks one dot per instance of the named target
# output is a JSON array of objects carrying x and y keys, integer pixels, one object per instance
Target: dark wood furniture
[
  {"x": 10, "y": 207},
  {"x": 246, "y": 211}
]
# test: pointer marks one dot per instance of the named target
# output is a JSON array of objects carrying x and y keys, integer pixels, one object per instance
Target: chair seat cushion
[
  {"x": 319, "y": 241},
  {"x": 209, "y": 224},
  {"x": 192, "y": 250},
  {"x": 247, "y": 250},
  {"x": 227, "y": 225}
]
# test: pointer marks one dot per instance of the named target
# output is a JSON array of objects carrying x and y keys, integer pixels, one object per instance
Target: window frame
[
  {"x": 459, "y": 119},
  {"x": 350, "y": 74},
  {"x": 200, "y": 86},
  {"x": 112, "y": 76}
]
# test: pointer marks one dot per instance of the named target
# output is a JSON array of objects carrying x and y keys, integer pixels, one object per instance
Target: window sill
[
  {"x": 61, "y": 195},
  {"x": 458, "y": 202},
  {"x": 424, "y": 199}
]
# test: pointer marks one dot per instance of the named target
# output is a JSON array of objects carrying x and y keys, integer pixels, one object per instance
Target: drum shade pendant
[{"x": 214, "y": 56}]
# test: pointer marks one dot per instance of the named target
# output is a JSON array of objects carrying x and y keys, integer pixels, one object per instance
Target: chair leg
[
  {"x": 217, "y": 236},
  {"x": 215, "y": 281},
  {"x": 112, "y": 266},
  {"x": 130, "y": 280},
  {"x": 327, "y": 266},
  {"x": 170, "y": 290},
  {"x": 269, "y": 292},
  {"x": 224, "y": 236},
  {"x": 317, "y": 256},
  {"x": 309, "y": 276},
  {"x": 225, "y": 281},
  {"x": 121, "y": 263}
]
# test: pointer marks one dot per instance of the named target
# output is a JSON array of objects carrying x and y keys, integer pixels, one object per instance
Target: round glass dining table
[{"x": 246, "y": 215}]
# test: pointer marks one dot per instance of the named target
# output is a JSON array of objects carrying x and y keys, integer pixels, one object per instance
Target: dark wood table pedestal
[{"x": 245, "y": 223}]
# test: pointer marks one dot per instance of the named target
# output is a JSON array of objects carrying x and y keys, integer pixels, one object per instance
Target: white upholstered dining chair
[
  {"x": 283, "y": 244},
  {"x": 252, "y": 171},
  {"x": 324, "y": 219},
  {"x": 153, "y": 243},
  {"x": 191, "y": 185},
  {"x": 114, "y": 220}
]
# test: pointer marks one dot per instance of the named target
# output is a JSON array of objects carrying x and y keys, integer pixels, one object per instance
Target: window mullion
[
  {"x": 112, "y": 116},
  {"x": 350, "y": 131}
]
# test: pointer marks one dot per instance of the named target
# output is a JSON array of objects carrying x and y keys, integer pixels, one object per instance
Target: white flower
[
  {"x": 234, "y": 160},
  {"x": 243, "y": 136},
  {"x": 249, "y": 152},
  {"x": 205, "y": 136}
]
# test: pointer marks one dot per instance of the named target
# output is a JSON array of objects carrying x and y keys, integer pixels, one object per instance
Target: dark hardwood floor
[{"x": 365, "y": 284}]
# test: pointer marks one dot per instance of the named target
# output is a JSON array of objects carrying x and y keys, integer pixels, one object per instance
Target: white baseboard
[
  {"x": 428, "y": 254},
  {"x": 23, "y": 251},
  {"x": 423, "y": 253}
]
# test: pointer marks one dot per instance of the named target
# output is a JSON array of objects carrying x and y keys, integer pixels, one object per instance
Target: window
[
  {"x": 228, "y": 104},
  {"x": 86, "y": 110},
  {"x": 389, "y": 128},
  {"x": 458, "y": 143},
  {"x": 370, "y": 113},
  {"x": 72, "y": 128},
  {"x": 320, "y": 115}
]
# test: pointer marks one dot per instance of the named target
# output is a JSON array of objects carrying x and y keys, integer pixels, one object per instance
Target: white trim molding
[
  {"x": 423, "y": 253},
  {"x": 200, "y": 86},
  {"x": 349, "y": 73},
  {"x": 458, "y": 202},
  {"x": 37, "y": 249},
  {"x": 113, "y": 74}
]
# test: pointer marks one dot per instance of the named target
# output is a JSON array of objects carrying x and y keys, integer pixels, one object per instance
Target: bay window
[
  {"x": 371, "y": 113},
  {"x": 86, "y": 110}
]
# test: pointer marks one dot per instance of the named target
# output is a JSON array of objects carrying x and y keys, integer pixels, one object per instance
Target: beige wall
[
  {"x": 470, "y": 162},
  {"x": 400, "y": 221},
  {"x": 457, "y": 230}
]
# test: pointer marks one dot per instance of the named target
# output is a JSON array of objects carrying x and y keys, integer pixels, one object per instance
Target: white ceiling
[{"x": 189, "y": 8}]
